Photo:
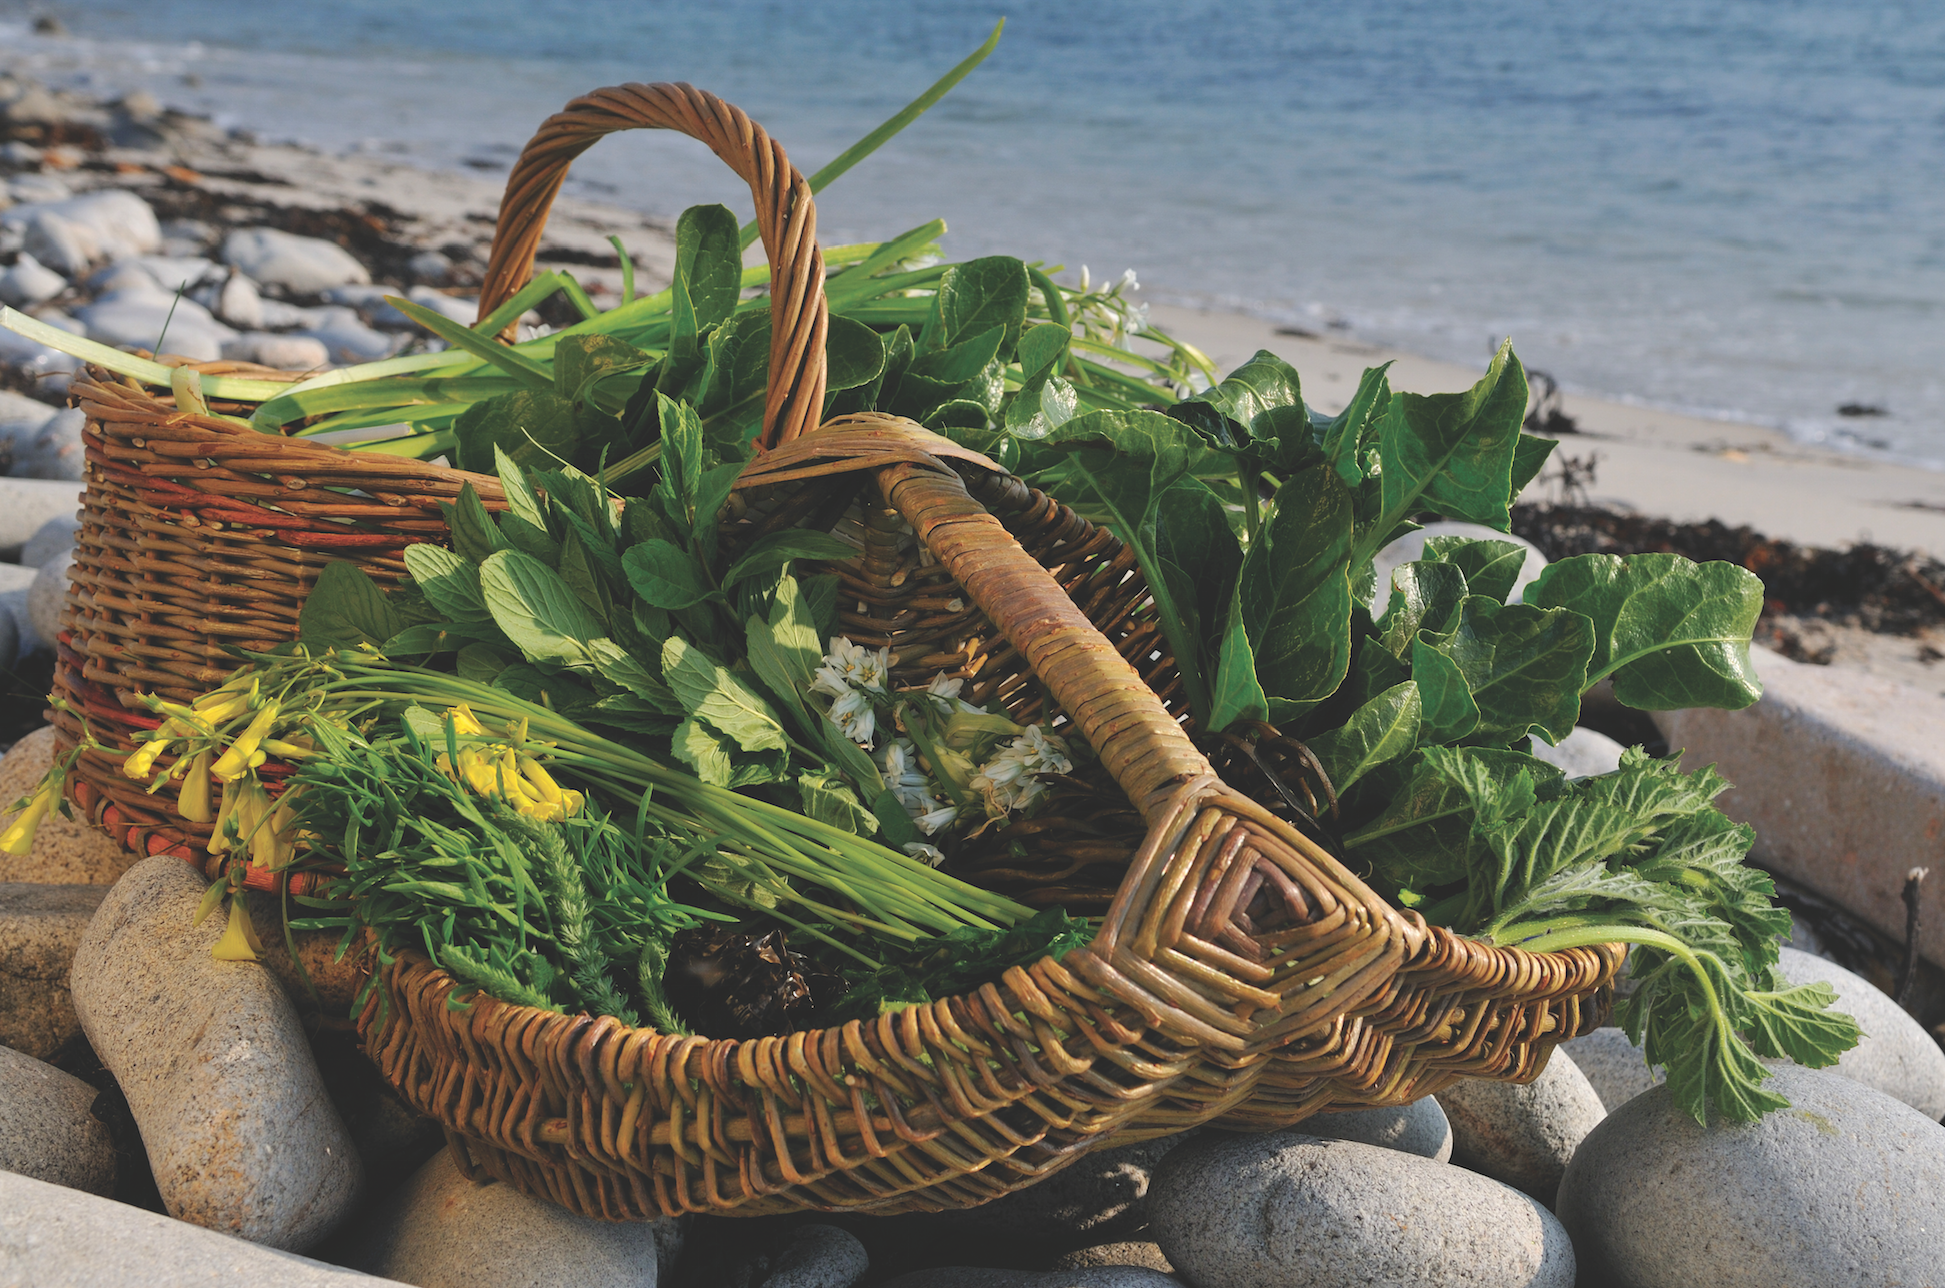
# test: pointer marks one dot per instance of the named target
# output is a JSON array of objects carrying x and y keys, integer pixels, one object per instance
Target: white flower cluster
[
  {"x": 1011, "y": 779},
  {"x": 858, "y": 682}
]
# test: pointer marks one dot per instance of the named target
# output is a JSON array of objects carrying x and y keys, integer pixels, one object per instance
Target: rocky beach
[{"x": 169, "y": 1119}]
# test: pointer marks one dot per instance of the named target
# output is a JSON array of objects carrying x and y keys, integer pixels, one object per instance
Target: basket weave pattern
[{"x": 1241, "y": 974}]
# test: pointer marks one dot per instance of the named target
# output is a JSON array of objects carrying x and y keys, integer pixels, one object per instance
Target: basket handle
[
  {"x": 786, "y": 218},
  {"x": 1138, "y": 741}
]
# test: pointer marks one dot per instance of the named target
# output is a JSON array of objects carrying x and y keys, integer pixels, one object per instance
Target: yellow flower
[
  {"x": 140, "y": 763},
  {"x": 237, "y": 759},
  {"x": 19, "y": 837},
  {"x": 219, "y": 837},
  {"x": 464, "y": 722},
  {"x": 193, "y": 802},
  {"x": 239, "y": 942}
]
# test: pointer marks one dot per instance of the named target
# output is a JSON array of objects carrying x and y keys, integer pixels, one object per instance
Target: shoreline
[{"x": 1681, "y": 467}]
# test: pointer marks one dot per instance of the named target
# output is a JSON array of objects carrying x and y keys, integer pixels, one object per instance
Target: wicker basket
[{"x": 1241, "y": 975}]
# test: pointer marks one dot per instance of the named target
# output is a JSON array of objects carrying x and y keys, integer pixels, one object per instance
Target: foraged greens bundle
[{"x": 1256, "y": 520}]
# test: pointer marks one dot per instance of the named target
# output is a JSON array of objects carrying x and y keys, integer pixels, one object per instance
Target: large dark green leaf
[
  {"x": 1377, "y": 733},
  {"x": 1453, "y": 453},
  {"x": 1344, "y": 435},
  {"x": 1670, "y": 632},
  {"x": 1265, "y": 381},
  {"x": 1236, "y": 693},
  {"x": 1424, "y": 597},
  {"x": 1129, "y": 461},
  {"x": 854, "y": 355},
  {"x": 1525, "y": 667},
  {"x": 1296, "y": 593},
  {"x": 534, "y": 427},
  {"x": 581, "y": 362},
  {"x": 709, "y": 262},
  {"x": 1490, "y": 567},
  {"x": 980, "y": 294}
]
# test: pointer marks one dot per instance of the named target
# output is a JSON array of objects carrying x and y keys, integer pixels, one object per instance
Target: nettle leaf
[
  {"x": 1344, "y": 436},
  {"x": 1453, "y": 453},
  {"x": 710, "y": 692},
  {"x": 776, "y": 550},
  {"x": 346, "y": 608},
  {"x": 1423, "y": 838},
  {"x": 1490, "y": 567},
  {"x": 1670, "y": 632},
  {"x": 1296, "y": 593},
  {"x": 1525, "y": 667},
  {"x": 1380, "y": 731},
  {"x": 538, "y": 611},
  {"x": 665, "y": 575},
  {"x": 1424, "y": 597},
  {"x": 979, "y": 294}
]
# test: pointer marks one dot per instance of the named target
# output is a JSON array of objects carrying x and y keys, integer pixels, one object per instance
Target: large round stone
[
  {"x": 1896, "y": 1055},
  {"x": 1420, "y": 1128},
  {"x": 239, "y": 1129},
  {"x": 1293, "y": 1211},
  {"x": 1523, "y": 1134},
  {"x": 48, "y": 1129},
  {"x": 1846, "y": 1186}
]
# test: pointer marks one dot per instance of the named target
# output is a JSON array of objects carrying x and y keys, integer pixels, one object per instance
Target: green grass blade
[{"x": 514, "y": 364}]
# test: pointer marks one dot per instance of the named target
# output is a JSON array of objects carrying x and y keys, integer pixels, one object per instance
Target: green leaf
[
  {"x": 345, "y": 609},
  {"x": 423, "y": 640},
  {"x": 737, "y": 365},
  {"x": 555, "y": 692},
  {"x": 583, "y": 361},
  {"x": 700, "y": 748},
  {"x": 1525, "y": 667},
  {"x": 474, "y": 534},
  {"x": 1490, "y": 567},
  {"x": 521, "y": 501},
  {"x": 535, "y": 427},
  {"x": 1130, "y": 461},
  {"x": 538, "y": 611},
  {"x": 1670, "y": 632},
  {"x": 1423, "y": 837},
  {"x": 480, "y": 662},
  {"x": 1380, "y": 731},
  {"x": 1236, "y": 694},
  {"x": 710, "y": 692},
  {"x": 450, "y": 582},
  {"x": 1452, "y": 453},
  {"x": 618, "y": 666},
  {"x": 1447, "y": 705},
  {"x": 1265, "y": 381},
  {"x": 785, "y": 650},
  {"x": 854, "y": 355},
  {"x": 1344, "y": 436},
  {"x": 1424, "y": 597},
  {"x": 979, "y": 294},
  {"x": 709, "y": 262},
  {"x": 1296, "y": 593},
  {"x": 896, "y": 825},
  {"x": 828, "y": 798},
  {"x": 665, "y": 575},
  {"x": 1529, "y": 458},
  {"x": 776, "y": 550}
]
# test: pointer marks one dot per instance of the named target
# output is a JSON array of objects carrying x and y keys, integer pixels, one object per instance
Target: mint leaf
[
  {"x": 710, "y": 692},
  {"x": 537, "y": 610},
  {"x": 769, "y": 553},
  {"x": 665, "y": 575}
]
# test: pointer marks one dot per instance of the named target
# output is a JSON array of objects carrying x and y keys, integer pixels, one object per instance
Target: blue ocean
[{"x": 1735, "y": 209}]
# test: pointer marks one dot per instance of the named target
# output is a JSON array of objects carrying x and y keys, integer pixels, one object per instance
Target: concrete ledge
[{"x": 1842, "y": 775}]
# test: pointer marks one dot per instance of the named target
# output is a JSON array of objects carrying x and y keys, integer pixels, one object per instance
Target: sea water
[{"x": 1729, "y": 208}]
